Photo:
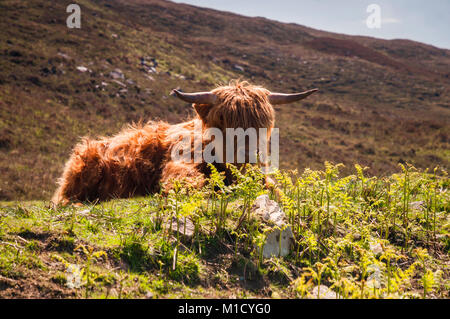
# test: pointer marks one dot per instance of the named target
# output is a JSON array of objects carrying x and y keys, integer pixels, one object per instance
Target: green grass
[{"x": 361, "y": 237}]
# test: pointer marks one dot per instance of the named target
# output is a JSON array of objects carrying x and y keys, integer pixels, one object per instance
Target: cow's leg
[
  {"x": 185, "y": 172},
  {"x": 82, "y": 173}
]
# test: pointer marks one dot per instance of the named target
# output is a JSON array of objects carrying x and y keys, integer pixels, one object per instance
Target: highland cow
[{"x": 139, "y": 161}]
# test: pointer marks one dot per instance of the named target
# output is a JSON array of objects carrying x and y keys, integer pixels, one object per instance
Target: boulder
[{"x": 271, "y": 214}]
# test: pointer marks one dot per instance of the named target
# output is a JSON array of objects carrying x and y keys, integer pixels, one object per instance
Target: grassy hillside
[
  {"x": 381, "y": 102},
  {"x": 356, "y": 237}
]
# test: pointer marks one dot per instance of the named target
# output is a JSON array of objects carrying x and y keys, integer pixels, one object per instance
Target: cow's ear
[{"x": 202, "y": 110}]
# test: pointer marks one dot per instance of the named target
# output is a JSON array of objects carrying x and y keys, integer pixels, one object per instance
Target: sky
[{"x": 419, "y": 20}]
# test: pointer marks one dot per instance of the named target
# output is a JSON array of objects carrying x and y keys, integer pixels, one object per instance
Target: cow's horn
[
  {"x": 199, "y": 98},
  {"x": 282, "y": 98}
]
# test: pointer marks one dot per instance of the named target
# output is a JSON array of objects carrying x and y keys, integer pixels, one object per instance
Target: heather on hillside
[{"x": 380, "y": 102}]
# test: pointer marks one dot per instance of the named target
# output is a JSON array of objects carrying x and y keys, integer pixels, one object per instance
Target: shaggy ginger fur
[{"x": 138, "y": 160}]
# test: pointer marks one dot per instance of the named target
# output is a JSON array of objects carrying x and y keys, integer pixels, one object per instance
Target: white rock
[
  {"x": 376, "y": 248},
  {"x": 375, "y": 276},
  {"x": 73, "y": 276},
  {"x": 120, "y": 83},
  {"x": 65, "y": 56},
  {"x": 117, "y": 74},
  {"x": 82, "y": 68},
  {"x": 187, "y": 231},
  {"x": 269, "y": 211},
  {"x": 272, "y": 247},
  {"x": 238, "y": 68}
]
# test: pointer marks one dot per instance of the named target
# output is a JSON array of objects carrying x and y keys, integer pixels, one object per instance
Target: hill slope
[{"x": 381, "y": 102}]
